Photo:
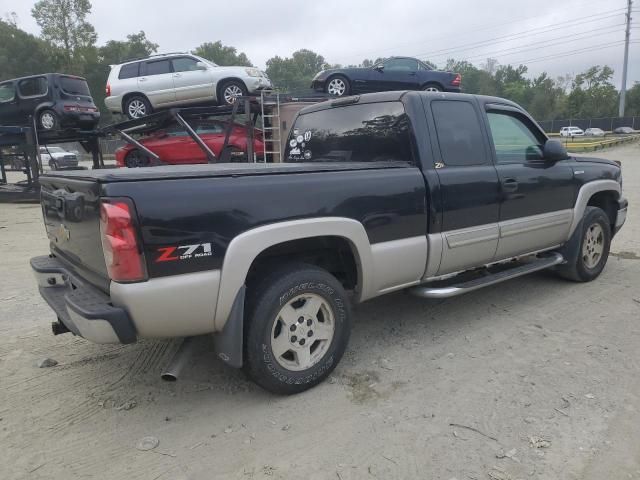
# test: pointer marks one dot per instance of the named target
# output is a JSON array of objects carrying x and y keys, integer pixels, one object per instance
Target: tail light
[
  {"x": 122, "y": 252},
  {"x": 457, "y": 80},
  {"x": 78, "y": 108},
  {"x": 107, "y": 90}
]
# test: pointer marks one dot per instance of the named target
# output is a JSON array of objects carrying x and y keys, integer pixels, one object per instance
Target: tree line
[{"x": 69, "y": 43}]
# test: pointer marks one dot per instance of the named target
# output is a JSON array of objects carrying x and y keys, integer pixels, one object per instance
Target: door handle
[
  {"x": 142, "y": 79},
  {"x": 510, "y": 185},
  {"x": 413, "y": 74},
  {"x": 177, "y": 75}
]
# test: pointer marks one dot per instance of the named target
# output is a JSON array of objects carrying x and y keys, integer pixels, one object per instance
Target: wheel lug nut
[
  {"x": 302, "y": 341},
  {"x": 309, "y": 322},
  {"x": 292, "y": 328},
  {"x": 310, "y": 333},
  {"x": 301, "y": 320},
  {"x": 294, "y": 338}
]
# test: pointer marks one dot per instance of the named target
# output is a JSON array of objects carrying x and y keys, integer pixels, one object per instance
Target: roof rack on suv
[{"x": 155, "y": 55}]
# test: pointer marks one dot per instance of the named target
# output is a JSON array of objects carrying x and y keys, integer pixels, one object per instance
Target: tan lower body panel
[{"x": 175, "y": 306}]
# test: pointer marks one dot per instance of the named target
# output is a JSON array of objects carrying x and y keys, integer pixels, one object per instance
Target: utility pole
[{"x": 627, "y": 34}]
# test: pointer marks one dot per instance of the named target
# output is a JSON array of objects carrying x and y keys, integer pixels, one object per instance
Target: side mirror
[
  {"x": 379, "y": 68},
  {"x": 201, "y": 66},
  {"x": 554, "y": 151}
]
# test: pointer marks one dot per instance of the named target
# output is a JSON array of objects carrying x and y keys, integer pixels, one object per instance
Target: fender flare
[
  {"x": 587, "y": 191},
  {"x": 246, "y": 247}
]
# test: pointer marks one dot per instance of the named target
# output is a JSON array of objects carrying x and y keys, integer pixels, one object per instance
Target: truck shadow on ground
[{"x": 378, "y": 326}]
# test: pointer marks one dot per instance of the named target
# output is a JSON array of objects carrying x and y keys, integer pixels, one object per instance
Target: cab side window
[
  {"x": 7, "y": 92},
  {"x": 459, "y": 134},
  {"x": 33, "y": 87},
  {"x": 158, "y": 67},
  {"x": 184, "y": 64},
  {"x": 369, "y": 132},
  {"x": 401, "y": 65},
  {"x": 514, "y": 141}
]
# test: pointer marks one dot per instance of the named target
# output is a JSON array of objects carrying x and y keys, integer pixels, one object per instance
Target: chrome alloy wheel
[
  {"x": 432, "y": 89},
  {"x": 47, "y": 120},
  {"x": 302, "y": 332},
  {"x": 337, "y": 87},
  {"x": 137, "y": 109},
  {"x": 593, "y": 245},
  {"x": 231, "y": 93}
]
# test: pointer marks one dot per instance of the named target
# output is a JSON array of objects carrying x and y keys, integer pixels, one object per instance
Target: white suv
[
  {"x": 571, "y": 132},
  {"x": 138, "y": 87}
]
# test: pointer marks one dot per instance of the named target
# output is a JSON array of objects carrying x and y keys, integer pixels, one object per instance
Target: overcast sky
[{"x": 584, "y": 32}]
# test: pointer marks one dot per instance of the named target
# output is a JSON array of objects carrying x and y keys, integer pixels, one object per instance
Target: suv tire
[
  {"x": 587, "y": 251},
  {"x": 297, "y": 328},
  {"x": 230, "y": 90},
  {"x": 338, "y": 86},
  {"x": 48, "y": 120},
  {"x": 136, "y": 107},
  {"x": 432, "y": 87}
]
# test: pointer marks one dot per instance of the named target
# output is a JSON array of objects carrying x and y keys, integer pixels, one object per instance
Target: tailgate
[{"x": 71, "y": 210}]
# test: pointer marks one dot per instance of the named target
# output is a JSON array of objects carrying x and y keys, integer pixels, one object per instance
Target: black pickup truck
[{"x": 436, "y": 193}]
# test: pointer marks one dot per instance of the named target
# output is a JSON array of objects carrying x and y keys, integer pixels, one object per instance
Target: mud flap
[{"x": 228, "y": 343}]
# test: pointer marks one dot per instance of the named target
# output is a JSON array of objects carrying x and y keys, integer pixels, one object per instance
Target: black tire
[
  {"x": 53, "y": 165},
  {"x": 133, "y": 159},
  {"x": 137, "y": 106},
  {"x": 48, "y": 120},
  {"x": 577, "y": 266},
  {"x": 229, "y": 90},
  {"x": 432, "y": 87},
  {"x": 284, "y": 287},
  {"x": 333, "y": 83}
]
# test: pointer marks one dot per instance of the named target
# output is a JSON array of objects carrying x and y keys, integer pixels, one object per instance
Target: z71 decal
[{"x": 184, "y": 252}]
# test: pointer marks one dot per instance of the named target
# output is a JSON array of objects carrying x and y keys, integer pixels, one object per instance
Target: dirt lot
[{"x": 535, "y": 378}]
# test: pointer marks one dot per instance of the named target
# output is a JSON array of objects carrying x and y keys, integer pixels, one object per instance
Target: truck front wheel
[
  {"x": 297, "y": 328},
  {"x": 587, "y": 251}
]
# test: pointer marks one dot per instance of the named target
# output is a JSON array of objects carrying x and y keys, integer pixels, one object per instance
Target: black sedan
[{"x": 395, "y": 73}]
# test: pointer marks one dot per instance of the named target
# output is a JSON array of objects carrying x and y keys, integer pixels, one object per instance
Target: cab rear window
[
  {"x": 372, "y": 132},
  {"x": 74, "y": 86}
]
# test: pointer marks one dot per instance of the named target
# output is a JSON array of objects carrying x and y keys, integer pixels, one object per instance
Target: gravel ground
[{"x": 534, "y": 378}]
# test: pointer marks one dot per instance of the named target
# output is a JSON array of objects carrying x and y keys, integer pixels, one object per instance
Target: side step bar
[{"x": 540, "y": 263}]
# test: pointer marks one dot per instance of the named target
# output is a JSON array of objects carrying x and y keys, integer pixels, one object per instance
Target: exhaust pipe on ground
[{"x": 179, "y": 360}]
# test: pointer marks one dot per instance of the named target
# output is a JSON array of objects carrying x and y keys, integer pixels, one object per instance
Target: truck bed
[{"x": 173, "y": 172}]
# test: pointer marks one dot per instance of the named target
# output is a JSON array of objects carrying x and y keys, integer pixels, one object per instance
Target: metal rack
[
  {"x": 25, "y": 142},
  {"x": 27, "y": 139},
  {"x": 270, "y": 110}
]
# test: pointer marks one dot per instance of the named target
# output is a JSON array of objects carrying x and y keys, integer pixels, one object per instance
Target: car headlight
[{"x": 253, "y": 72}]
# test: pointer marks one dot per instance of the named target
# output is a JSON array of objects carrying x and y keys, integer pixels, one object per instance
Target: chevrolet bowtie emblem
[{"x": 63, "y": 233}]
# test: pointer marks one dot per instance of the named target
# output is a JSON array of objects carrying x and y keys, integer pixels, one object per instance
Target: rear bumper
[
  {"x": 79, "y": 119},
  {"x": 82, "y": 308},
  {"x": 114, "y": 104}
]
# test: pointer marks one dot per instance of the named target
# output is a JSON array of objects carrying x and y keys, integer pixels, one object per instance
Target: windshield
[
  {"x": 74, "y": 86},
  {"x": 52, "y": 150}
]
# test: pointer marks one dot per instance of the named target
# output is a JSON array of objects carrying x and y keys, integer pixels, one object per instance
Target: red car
[{"x": 175, "y": 147}]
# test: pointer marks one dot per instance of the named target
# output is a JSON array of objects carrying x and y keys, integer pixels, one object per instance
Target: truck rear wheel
[
  {"x": 297, "y": 328},
  {"x": 588, "y": 249}
]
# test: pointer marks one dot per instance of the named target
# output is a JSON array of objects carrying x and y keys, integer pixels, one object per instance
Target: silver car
[
  {"x": 58, "y": 158},
  {"x": 594, "y": 132},
  {"x": 138, "y": 87}
]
